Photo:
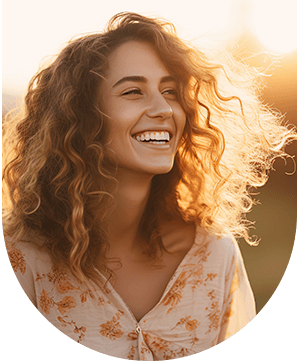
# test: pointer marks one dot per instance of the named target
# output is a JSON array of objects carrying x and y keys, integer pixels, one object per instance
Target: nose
[{"x": 159, "y": 108}]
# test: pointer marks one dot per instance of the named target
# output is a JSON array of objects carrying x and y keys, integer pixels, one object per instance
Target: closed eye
[
  {"x": 171, "y": 93},
  {"x": 135, "y": 91}
]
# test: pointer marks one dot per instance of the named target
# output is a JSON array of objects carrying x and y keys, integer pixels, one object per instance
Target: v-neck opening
[{"x": 169, "y": 284}]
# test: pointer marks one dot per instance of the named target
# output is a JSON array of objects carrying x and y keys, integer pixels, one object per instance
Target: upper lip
[{"x": 155, "y": 128}]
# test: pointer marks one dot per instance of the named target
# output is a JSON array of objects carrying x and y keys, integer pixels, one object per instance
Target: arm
[
  {"x": 21, "y": 262},
  {"x": 239, "y": 305}
]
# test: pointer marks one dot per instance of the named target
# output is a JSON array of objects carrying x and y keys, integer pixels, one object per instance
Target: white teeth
[
  {"x": 165, "y": 135},
  {"x": 155, "y": 137},
  {"x": 156, "y": 142}
]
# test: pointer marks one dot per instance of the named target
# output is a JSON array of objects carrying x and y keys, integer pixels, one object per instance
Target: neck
[{"x": 131, "y": 198}]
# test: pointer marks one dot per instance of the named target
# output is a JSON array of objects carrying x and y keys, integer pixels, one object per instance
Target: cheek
[
  {"x": 181, "y": 120},
  {"x": 115, "y": 134},
  {"x": 119, "y": 131},
  {"x": 123, "y": 118}
]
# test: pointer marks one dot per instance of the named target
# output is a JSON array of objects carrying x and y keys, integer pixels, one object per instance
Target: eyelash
[
  {"x": 132, "y": 92},
  {"x": 139, "y": 92}
]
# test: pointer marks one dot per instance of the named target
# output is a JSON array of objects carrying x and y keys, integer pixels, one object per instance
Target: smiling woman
[
  {"x": 127, "y": 177},
  {"x": 140, "y": 98}
]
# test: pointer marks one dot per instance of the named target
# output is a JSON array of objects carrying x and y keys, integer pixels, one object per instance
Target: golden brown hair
[{"x": 58, "y": 164}]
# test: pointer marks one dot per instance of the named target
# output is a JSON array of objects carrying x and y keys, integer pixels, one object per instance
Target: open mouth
[{"x": 153, "y": 137}]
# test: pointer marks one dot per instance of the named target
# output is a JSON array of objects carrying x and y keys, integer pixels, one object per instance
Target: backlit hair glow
[{"x": 57, "y": 164}]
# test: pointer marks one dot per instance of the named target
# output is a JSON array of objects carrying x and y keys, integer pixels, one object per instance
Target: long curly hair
[{"x": 57, "y": 164}]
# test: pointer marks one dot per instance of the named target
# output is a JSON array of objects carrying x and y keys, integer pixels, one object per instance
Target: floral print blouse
[{"x": 207, "y": 300}]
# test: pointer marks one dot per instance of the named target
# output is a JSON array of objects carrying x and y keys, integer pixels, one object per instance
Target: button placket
[{"x": 143, "y": 351}]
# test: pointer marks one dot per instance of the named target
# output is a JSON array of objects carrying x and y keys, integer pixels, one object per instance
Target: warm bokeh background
[
  {"x": 275, "y": 214},
  {"x": 261, "y": 32}
]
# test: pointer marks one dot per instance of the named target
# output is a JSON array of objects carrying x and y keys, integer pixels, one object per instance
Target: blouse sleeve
[
  {"x": 22, "y": 259},
  {"x": 239, "y": 307}
]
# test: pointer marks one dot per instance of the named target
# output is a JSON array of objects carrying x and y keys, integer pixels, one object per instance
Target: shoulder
[
  {"x": 226, "y": 246},
  {"x": 27, "y": 260},
  {"x": 221, "y": 249},
  {"x": 26, "y": 255}
]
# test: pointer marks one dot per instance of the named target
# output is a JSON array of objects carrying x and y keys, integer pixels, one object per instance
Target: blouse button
[{"x": 138, "y": 329}]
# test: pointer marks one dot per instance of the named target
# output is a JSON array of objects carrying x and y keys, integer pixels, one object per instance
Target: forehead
[{"x": 135, "y": 58}]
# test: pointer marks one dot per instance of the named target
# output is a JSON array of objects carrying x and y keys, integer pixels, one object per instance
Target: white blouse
[{"x": 207, "y": 300}]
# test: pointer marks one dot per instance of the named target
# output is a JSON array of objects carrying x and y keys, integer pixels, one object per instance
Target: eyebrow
[{"x": 143, "y": 79}]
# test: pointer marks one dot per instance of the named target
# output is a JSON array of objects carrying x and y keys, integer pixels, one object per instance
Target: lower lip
[{"x": 153, "y": 145}]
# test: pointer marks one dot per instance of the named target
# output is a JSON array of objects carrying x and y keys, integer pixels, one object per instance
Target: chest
[
  {"x": 141, "y": 285},
  {"x": 141, "y": 281}
]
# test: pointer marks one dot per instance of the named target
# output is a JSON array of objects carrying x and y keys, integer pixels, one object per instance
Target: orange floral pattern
[
  {"x": 207, "y": 300},
  {"x": 112, "y": 328},
  {"x": 17, "y": 260},
  {"x": 175, "y": 294},
  {"x": 46, "y": 302},
  {"x": 77, "y": 330}
]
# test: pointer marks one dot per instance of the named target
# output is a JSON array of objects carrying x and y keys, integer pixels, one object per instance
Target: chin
[{"x": 162, "y": 169}]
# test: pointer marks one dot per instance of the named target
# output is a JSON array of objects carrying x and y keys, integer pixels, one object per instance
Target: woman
[{"x": 128, "y": 178}]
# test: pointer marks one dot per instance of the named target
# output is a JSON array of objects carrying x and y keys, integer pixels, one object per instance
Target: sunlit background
[
  {"x": 33, "y": 29},
  {"x": 261, "y": 32}
]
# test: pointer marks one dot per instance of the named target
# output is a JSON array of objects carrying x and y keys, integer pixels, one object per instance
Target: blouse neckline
[{"x": 200, "y": 232}]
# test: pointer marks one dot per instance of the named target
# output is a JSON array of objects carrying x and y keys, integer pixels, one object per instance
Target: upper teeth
[{"x": 152, "y": 135}]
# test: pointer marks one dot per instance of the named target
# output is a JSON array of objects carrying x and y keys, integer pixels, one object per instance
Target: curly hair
[{"x": 57, "y": 163}]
